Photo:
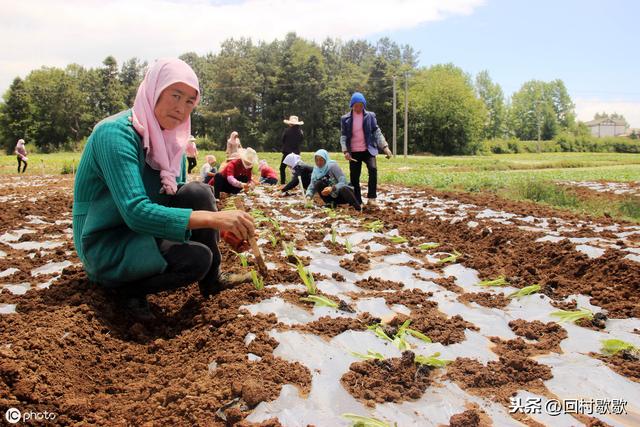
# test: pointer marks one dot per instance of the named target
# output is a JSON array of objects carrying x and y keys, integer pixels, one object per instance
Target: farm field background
[{"x": 513, "y": 176}]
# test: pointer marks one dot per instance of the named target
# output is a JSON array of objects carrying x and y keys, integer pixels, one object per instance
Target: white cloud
[
  {"x": 56, "y": 33},
  {"x": 586, "y": 108}
]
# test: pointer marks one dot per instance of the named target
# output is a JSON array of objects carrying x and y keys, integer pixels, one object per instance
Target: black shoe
[{"x": 139, "y": 308}]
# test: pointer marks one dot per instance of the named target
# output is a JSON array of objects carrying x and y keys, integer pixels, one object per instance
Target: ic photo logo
[{"x": 14, "y": 416}]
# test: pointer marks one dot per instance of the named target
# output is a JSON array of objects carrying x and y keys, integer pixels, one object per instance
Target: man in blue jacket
[{"x": 361, "y": 139}]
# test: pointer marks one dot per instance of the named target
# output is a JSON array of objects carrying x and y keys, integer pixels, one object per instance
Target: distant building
[{"x": 607, "y": 127}]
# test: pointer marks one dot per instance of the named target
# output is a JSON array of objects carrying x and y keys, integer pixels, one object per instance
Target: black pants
[
  {"x": 283, "y": 169},
  {"x": 20, "y": 161},
  {"x": 270, "y": 181},
  {"x": 345, "y": 196},
  {"x": 221, "y": 185},
  {"x": 197, "y": 260},
  {"x": 355, "y": 168},
  {"x": 192, "y": 161}
]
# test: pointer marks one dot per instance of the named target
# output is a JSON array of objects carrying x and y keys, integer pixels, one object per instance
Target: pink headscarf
[{"x": 164, "y": 148}]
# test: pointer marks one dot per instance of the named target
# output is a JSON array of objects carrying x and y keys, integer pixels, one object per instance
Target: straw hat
[
  {"x": 249, "y": 157},
  {"x": 293, "y": 120}
]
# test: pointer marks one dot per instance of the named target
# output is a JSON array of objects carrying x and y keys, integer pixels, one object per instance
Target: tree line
[{"x": 251, "y": 87}]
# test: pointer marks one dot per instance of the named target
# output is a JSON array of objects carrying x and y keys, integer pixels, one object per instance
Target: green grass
[{"x": 524, "y": 176}]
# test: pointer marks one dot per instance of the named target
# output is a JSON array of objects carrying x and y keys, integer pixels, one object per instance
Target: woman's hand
[
  {"x": 347, "y": 156},
  {"x": 326, "y": 191},
  {"x": 238, "y": 222}
]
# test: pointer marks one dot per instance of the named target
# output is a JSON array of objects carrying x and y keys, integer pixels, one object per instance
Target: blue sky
[{"x": 591, "y": 45}]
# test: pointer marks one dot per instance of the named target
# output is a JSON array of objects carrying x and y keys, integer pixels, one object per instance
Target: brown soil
[
  {"x": 548, "y": 337},
  {"x": 499, "y": 379},
  {"x": 359, "y": 264},
  {"x": 70, "y": 349},
  {"x": 623, "y": 363},
  {"x": 389, "y": 380},
  {"x": 376, "y": 284},
  {"x": 330, "y": 327},
  {"x": 485, "y": 299},
  {"x": 437, "y": 326}
]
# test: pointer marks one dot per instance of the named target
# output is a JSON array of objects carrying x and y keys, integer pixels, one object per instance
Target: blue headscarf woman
[{"x": 329, "y": 181}]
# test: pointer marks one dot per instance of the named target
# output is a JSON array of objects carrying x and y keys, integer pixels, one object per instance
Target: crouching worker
[
  {"x": 237, "y": 175},
  {"x": 209, "y": 169},
  {"x": 329, "y": 181},
  {"x": 136, "y": 227},
  {"x": 301, "y": 172},
  {"x": 267, "y": 174}
]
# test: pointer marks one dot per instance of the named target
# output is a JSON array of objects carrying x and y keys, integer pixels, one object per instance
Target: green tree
[
  {"x": 15, "y": 115},
  {"x": 541, "y": 109},
  {"x": 445, "y": 116},
  {"x": 131, "y": 74},
  {"x": 493, "y": 97}
]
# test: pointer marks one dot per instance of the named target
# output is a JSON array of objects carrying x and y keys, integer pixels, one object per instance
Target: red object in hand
[{"x": 234, "y": 241}]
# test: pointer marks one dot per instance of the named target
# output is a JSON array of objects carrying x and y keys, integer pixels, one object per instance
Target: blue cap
[{"x": 357, "y": 97}]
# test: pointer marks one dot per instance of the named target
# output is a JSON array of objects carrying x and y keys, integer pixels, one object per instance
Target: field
[{"x": 439, "y": 306}]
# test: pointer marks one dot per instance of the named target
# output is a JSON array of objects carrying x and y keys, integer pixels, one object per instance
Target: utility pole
[
  {"x": 406, "y": 112},
  {"x": 395, "y": 119}
]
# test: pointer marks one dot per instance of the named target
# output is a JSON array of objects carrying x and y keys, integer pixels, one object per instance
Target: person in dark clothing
[
  {"x": 21, "y": 154},
  {"x": 300, "y": 172},
  {"x": 329, "y": 181},
  {"x": 291, "y": 142},
  {"x": 361, "y": 139}
]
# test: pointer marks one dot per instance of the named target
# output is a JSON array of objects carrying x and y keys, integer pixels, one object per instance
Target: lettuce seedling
[
  {"x": 347, "y": 246},
  {"x": 431, "y": 360},
  {"x": 527, "y": 290},
  {"x": 427, "y": 246},
  {"x": 307, "y": 278},
  {"x": 360, "y": 421},
  {"x": 375, "y": 226},
  {"x": 379, "y": 331},
  {"x": 451, "y": 258},
  {"x": 371, "y": 355},
  {"x": 273, "y": 239},
  {"x": 258, "y": 282},
  {"x": 288, "y": 249},
  {"x": 398, "y": 239},
  {"x": 399, "y": 339},
  {"x": 334, "y": 235},
  {"x": 614, "y": 346},
  {"x": 243, "y": 258},
  {"x": 500, "y": 281},
  {"x": 320, "y": 301},
  {"x": 573, "y": 316}
]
